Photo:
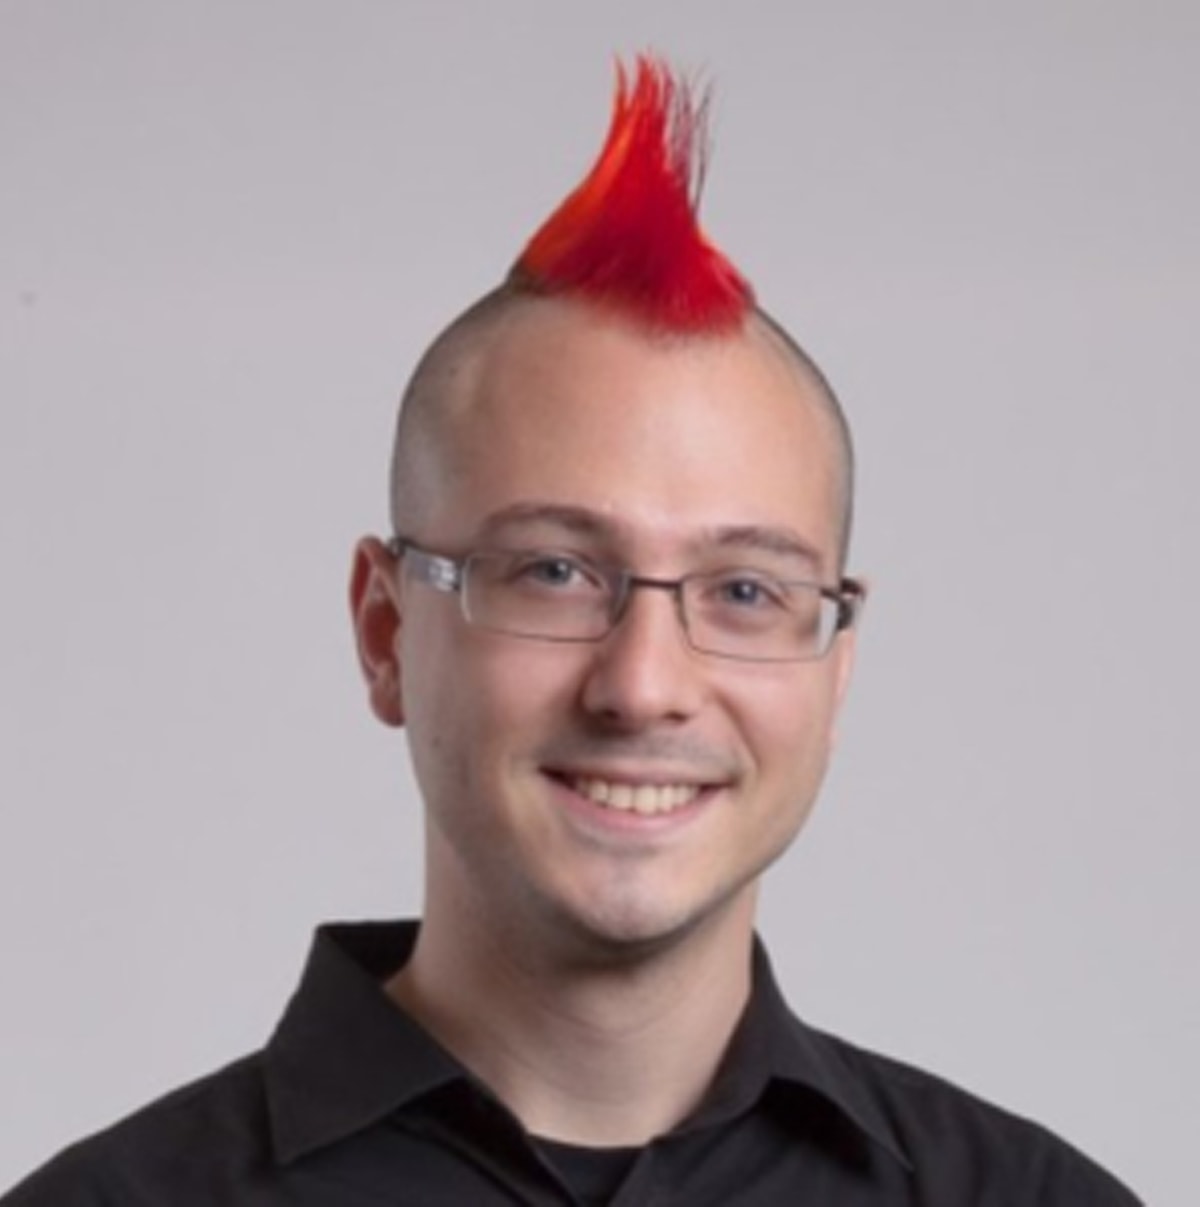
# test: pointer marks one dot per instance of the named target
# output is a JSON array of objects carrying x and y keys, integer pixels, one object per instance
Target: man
[{"x": 614, "y": 622}]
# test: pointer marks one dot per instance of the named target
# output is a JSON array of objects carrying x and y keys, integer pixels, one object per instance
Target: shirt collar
[
  {"x": 788, "y": 1051},
  {"x": 344, "y": 1056}
]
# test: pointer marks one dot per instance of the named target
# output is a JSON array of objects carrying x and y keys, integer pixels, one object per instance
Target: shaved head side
[
  {"x": 442, "y": 379},
  {"x": 447, "y": 376},
  {"x": 812, "y": 373}
]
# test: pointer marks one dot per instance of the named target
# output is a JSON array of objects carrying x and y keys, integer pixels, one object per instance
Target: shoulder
[
  {"x": 207, "y": 1136},
  {"x": 951, "y": 1136}
]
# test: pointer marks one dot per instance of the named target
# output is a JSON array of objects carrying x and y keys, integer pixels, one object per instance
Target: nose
[{"x": 644, "y": 672}]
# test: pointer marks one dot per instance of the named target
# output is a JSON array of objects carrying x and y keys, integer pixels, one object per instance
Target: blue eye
[
  {"x": 750, "y": 592},
  {"x": 551, "y": 571}
]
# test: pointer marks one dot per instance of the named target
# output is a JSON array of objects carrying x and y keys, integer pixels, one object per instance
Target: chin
[{"x": 636, "y": 927}]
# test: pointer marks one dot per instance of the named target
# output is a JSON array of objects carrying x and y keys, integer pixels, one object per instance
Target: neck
[{"x": 601, "y": 1052}]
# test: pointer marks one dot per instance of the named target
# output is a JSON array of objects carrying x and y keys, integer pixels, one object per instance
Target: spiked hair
[
  {"x": 628, "y": 236},
  {"x": 628, "y": 239}
]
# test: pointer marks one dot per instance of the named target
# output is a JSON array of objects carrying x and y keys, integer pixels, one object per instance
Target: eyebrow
[
  {"x": 763, "y": 538},
  {"x": 561, "y": 515}
]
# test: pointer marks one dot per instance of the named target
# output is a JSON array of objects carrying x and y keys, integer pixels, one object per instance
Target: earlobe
[{"x": 375, "y": 612}]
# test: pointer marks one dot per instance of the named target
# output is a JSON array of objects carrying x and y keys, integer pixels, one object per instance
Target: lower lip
[{"x": 628, "y": 821}]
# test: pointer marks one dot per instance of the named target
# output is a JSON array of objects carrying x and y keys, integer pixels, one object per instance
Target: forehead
[{"x": 661, "y": 439}]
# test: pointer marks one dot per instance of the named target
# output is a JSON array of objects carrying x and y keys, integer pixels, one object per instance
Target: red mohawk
[{"x": 628, "y": 235}]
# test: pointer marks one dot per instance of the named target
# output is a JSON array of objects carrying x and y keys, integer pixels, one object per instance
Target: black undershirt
[{"x": 593, "y": 1174}]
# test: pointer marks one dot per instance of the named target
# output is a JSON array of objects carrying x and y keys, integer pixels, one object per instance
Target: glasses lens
[
  {"x": 537, "y": 594},
  {"x": 749, "y": 615}
]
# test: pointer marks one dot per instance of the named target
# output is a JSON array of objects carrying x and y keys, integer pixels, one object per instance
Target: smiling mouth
[{"x": 642, "y": 798}]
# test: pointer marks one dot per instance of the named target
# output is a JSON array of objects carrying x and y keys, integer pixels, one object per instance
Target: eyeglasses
[{"x": 548, "y": 595}]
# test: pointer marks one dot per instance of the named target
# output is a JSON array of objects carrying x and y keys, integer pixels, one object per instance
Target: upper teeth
[{"x": 638, "y": 798}]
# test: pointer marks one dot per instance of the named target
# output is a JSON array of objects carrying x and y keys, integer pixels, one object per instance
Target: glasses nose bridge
[{"x": 628, "y": 583}]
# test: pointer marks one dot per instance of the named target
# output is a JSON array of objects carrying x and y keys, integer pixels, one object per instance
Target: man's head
[
  {"x": 628, "y": 241},
  {"x": 623, "y": 789}
]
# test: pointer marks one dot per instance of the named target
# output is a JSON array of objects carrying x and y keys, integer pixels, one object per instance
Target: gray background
[{"x": 227, "y": 230}]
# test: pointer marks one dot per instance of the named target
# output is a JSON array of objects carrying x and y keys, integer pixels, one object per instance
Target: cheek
[
  {"x": 486, "y": 700},
  {"x": 437, "y": 702},
  {"x": 790, "y": 732}
]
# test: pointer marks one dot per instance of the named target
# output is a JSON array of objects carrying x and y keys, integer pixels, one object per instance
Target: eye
[
  {"x": 553, "y": 572},
  {"x": 749, "y": 591}
]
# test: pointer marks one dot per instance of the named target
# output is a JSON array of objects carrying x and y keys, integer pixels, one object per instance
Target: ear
[
  {"x": 375, "y": 611},
  {"x": 844, "y": 652}
]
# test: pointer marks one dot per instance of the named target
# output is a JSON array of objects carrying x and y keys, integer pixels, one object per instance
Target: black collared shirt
[{"x": 351, "y": 1104}]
